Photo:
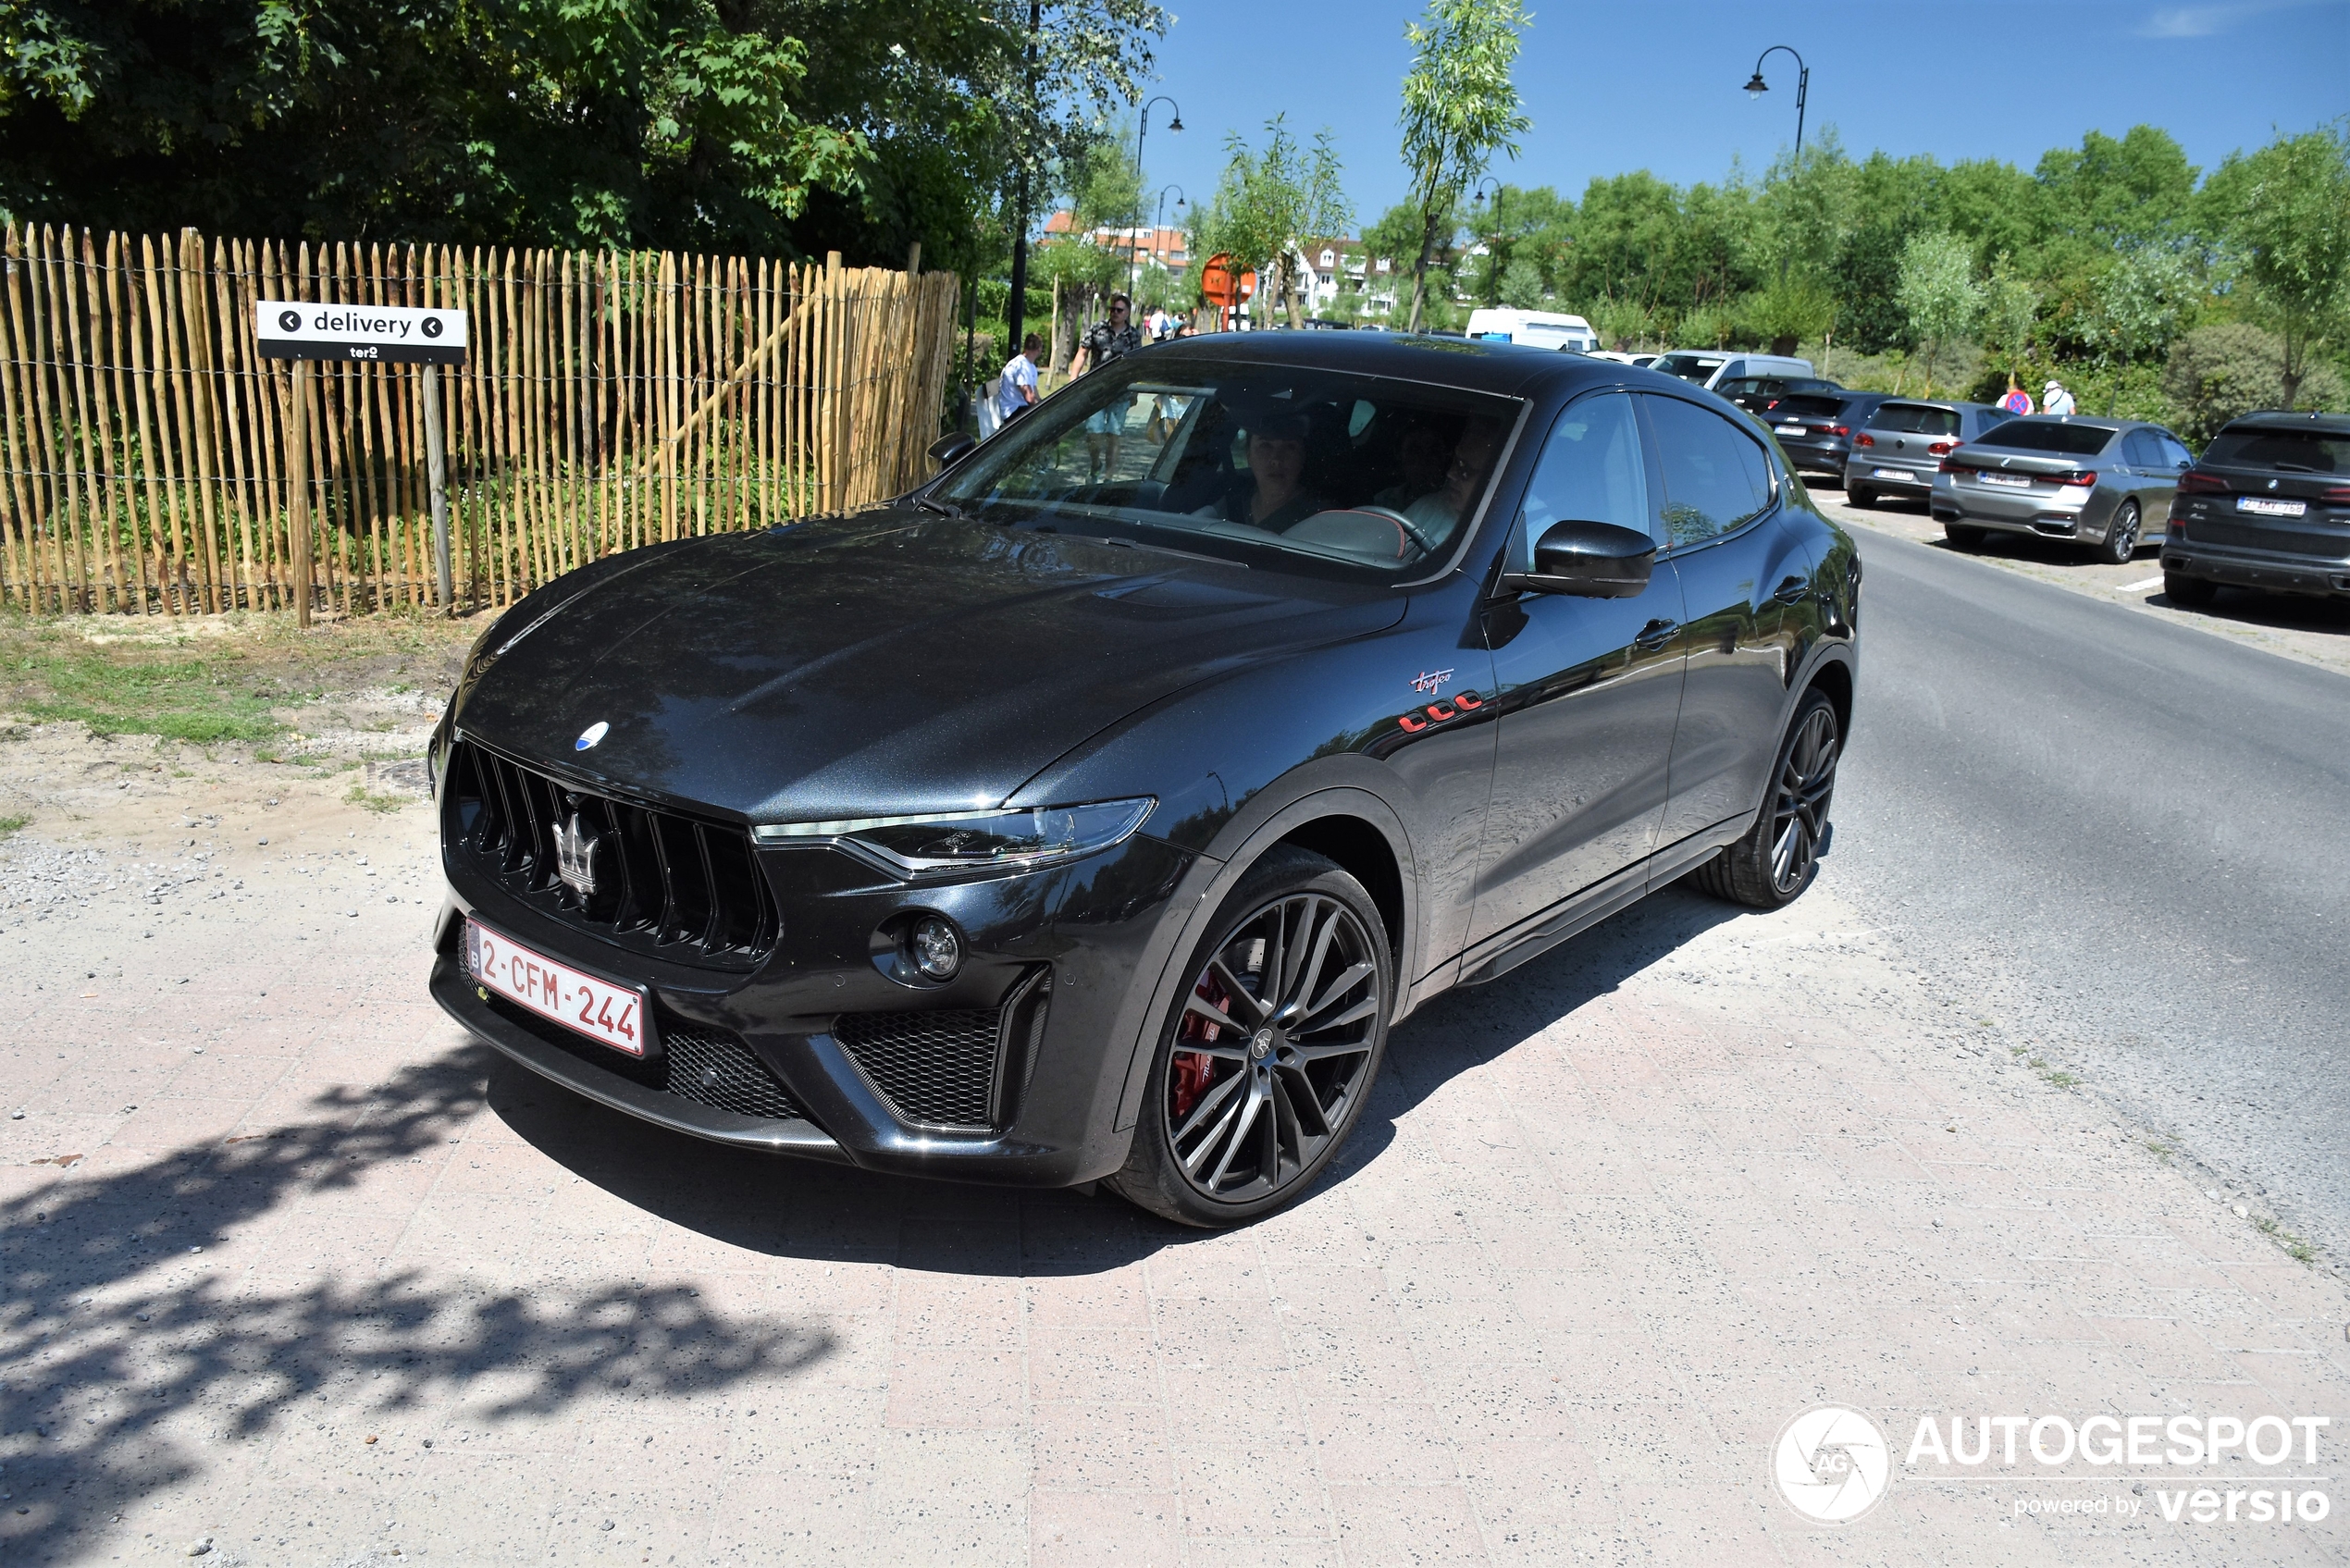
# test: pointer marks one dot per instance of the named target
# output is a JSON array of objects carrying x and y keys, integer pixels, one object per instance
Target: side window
[
  {"x": 2175, "y": 449},
  {"x": 1714, "y": 475},
  {"x": 2139, "y": 451},
  {"x": 1592, "y": 471}
]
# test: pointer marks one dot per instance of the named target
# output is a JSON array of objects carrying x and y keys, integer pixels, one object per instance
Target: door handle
[
  {"x": 1791, "y": 591},
  {"x": 1655, "y": 635}
]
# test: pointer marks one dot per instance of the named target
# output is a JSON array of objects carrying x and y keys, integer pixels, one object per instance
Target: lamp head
[
  {"x": 1176, "y": 124},
  {"x": 1756, "y": 86}
]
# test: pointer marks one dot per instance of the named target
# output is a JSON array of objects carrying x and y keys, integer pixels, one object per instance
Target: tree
[
  {"x": 2218, "y": 373},
  {"x": 1937, "y": 293},
  {"x": 1460, "y": 107},
  {"x": 2010, "y": 309},
  {"x": 2294, "y": 227},
  {"x": 2141, "y": 301},
  {"x": 1266, "y": 203}
]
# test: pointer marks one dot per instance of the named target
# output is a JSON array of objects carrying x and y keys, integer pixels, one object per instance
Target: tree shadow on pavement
[{"x": 124, "y": 1354}]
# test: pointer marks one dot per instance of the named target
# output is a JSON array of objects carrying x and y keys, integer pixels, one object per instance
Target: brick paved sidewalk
[{"x": 1608, "y": 1224}]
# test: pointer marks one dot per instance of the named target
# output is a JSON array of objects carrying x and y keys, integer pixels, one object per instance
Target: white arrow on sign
[{"x": 296, "y": 329}]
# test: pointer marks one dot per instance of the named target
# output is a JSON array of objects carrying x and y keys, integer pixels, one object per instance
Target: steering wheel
[{"x": 1411, "y": 529}]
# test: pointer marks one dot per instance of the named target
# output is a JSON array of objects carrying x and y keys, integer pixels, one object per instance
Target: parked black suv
[
  {"x": 1759, "y": 395},
  {"x": 1815, "y": 428},
  {"x": 2267, "y": 507}
]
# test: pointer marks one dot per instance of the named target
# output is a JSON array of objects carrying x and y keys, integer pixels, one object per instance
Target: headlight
[{"x": 1017, "y": 840}]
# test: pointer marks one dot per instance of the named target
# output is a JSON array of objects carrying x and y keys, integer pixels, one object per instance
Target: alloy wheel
[
  {"x": 1277, "y": 1033},
  {"x": 2122, "y": 539},
  {"x": 1800, "y": 807}
]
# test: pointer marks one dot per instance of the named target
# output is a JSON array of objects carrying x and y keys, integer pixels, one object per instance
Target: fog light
[{"x": 938, "y": 952}]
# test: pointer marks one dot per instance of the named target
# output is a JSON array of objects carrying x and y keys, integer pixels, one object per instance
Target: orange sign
[{"x": 1217, "y": 284}]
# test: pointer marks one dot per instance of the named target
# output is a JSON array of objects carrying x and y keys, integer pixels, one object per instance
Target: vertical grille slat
[{"x": 667, "y": 884}]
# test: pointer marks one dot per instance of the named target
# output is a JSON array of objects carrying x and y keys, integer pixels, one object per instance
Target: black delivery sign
[{"x": 292, "y": 329}]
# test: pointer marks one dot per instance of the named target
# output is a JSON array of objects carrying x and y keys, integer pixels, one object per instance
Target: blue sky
[{"x": 1656, "y": 84}]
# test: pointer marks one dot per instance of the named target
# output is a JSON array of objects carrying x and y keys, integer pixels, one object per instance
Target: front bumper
[
  {"x": 2257, "y": 569},
  {"x": 1051, "y": 957}
]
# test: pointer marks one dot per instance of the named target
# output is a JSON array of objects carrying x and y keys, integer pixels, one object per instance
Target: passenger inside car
[{"x": 1272, "y": 493}]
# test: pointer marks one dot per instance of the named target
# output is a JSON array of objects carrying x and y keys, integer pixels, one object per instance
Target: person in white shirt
[
  {"x": 1015, "y": 387},
  {"x": 2054, "y": 399}
]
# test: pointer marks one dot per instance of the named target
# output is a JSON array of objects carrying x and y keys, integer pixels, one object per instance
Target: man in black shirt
[{"x": 1106, "y": 343}]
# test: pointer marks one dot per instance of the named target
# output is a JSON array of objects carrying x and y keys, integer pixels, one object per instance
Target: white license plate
[
  {"x": 2012, "y": 481},
  {"x": 1894, "y": 474},
  {"x": 608, "y": 1013},
  {"x": 2262, "y": 506},
  {"x": 1790, "y": 429}
]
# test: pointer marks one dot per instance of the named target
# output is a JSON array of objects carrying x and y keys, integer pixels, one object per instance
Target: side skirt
[{"x": 1536, "y": 935}]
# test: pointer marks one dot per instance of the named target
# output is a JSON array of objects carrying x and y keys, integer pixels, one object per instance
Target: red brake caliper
[{"x": 1193, "y": 1071}]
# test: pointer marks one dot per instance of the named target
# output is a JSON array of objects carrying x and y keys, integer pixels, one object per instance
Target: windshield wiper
[
  {"x": 1159, "y": 549},
  {"x": 943, "y": 508},
  {"x": 2292, "y": 467}
]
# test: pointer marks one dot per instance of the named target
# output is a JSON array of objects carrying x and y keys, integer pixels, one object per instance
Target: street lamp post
[
  {"x": 1493, "y": 258},
  {"x": 1157, "y": 218},
  {"x": 1141, "y": 129},
  {"x": 1756, "y": 86}
]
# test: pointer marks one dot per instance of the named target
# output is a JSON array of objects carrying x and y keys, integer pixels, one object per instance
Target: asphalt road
[{"x": 2125, "y": 842}]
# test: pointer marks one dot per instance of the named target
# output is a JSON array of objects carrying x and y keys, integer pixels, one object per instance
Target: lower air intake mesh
[
  {"x": 937, "y": 1067},
  {"x": 720, "y": 1071}
]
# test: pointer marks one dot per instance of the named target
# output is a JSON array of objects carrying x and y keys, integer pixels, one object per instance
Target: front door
[
  {"x": 1740, "y": 569},
  {"x": 1589, "y": 688}
]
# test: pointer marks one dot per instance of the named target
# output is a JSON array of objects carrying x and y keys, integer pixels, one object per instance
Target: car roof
[
  {"x": 2278, "y": 419},
  {"x": 1507, "y": 369}
]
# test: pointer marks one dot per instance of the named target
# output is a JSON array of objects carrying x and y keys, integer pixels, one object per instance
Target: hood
[{"x": 895, "y": 663}]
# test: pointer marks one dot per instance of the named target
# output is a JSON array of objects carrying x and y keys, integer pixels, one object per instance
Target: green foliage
[
  {"x": 1268, "y": 202},
  {"x": 771, "y": 126},
  {"x": 1789, "y": 308},
  {"x": 2010, "y": 307},
  {"x": 1460, "y": 107},
  {"x": 2216, "y": 373},
  {"x": 1937, "y": 293},
  {"x": 2292, "y": 220},
  {"x": 2142, "y": 300}
]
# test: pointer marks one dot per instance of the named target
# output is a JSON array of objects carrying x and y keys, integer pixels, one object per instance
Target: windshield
[
  {"x": 2289, "y": 451},
  {"x": 1691, "y": 368},
  {"x": 1810, "y": 405},
  {"x": 1297, "y": 469},
  {"x": 2067, "y": 440}
]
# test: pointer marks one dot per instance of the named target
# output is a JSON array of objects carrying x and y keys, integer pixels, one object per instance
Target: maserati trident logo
[
  {"x": 591, "y": 735},
  {"x": 576, "y": 846}
]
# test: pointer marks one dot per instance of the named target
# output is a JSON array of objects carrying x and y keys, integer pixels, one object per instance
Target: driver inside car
[
  {"x": 1273, "y": 494},
  {"x": 1439, "y": 512}
]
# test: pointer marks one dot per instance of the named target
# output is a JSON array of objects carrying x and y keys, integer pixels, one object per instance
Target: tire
[
  {"x": 2121, "y": 536},
  {"x": 1859, "y": 496},
  {"x": 1773, "y": 863},
  {"x": 1245, "y": 1107},
  {"x": 1963, "y": 535},
  {"x": 2192, "y": 592}
]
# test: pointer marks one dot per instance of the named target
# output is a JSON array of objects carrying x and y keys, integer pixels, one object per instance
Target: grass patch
[
  {"x": 360, "y": 795},
  {"x": 9, "y": 825},
  {"x": 210, "y": 679},
  {"x": 2061, "y": 1079},
  {"x": 2162, "y": 1151}
]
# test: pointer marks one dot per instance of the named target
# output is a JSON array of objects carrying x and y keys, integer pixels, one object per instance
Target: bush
[{"x": 2217, "y": 373}]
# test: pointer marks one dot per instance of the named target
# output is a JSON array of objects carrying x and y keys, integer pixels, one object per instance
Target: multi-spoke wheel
[
  {"x": 1773, "y": 862},
  {"x": 2122, "y": 535},
  {"x": 1265, "y": 1063}
]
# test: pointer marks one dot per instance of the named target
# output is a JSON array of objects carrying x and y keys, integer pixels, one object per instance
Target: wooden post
[
  {"x": 914, "y": 259},
  {"x": 298, "y": 476},
  {"x": 436, "y": 475}
]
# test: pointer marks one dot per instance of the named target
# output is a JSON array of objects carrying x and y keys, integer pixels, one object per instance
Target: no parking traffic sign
[{"x": 293, "y": 329}]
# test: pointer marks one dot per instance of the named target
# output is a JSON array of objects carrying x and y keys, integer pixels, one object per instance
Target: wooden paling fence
[{"x": 610, "y": 400}]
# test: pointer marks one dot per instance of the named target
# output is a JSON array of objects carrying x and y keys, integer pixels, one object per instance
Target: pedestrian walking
[
  {"x": 1107, "y": 344},
  {"x": 2018, "y": 401},
  {"x": 2054, "y": 399},
  {"x": 1016, "y": 392}
]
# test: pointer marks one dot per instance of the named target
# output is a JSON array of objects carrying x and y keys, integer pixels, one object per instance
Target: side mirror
[
  {"x": 950, "y": 447},
  {"x": 1588, "y": 560}
]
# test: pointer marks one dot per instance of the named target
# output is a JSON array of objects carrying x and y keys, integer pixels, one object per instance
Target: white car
[
  {"x": 1537, "y": 328},
  {"x": 1710, "y": 368}
]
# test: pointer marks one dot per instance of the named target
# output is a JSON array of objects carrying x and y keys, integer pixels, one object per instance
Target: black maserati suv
[{"x": 1095, "y": 811}]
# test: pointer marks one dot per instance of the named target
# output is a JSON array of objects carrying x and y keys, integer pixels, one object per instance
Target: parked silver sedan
[{"x": 2105, "y": 483}]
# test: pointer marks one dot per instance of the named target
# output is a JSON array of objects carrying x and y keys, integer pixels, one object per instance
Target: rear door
[
  {"x": 1742, "y": 569},
  {"x": 1590, "y": 688}
]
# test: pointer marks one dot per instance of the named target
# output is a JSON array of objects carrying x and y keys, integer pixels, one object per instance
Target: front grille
[
  {"x": 707, "y": 1065},
  {"x": 665, "y": 884},
  {"x": 716, "y": 1069},
  {"x": 961, "y": 1067}
]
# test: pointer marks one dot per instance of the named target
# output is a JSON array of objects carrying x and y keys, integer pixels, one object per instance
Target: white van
[
  {"x": 1537, "y": 328},
  {"x": 1708, "y": 367}
]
